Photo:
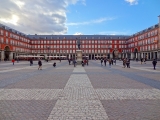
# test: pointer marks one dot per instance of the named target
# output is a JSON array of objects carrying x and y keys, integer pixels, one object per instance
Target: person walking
[
  {"x": 105, "y": 60},
  {"x": 145, "y": 59},
  {"x": 87, "y": 62},
  {"x": 13, "y": 61},
  {"x": 128, "y": 63},
  {"x": 115, "y": 61},
  {"x": 74, "y": 62},
  {"x": 69, "y": 61},
  {"x": 101, "y": 62},
  {"x": 82, "y": 63},
  {"x": 54, "y": 64},
  {"x": 110, "y": 62},
  {"x": 40, "y": 65},
  {"x": 124, "y": 62},
  {"x": 154, "y": 62},
  {"x": 31, "y": 62},
  {"x": 141, "y": 60}
]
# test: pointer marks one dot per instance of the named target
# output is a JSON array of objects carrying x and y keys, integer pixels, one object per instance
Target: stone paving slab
[
  {"x": 67, "y": 92},
  {"x": 30, "y": 94},
  {"x": 122, "y": 94},
  {"x": 115, "y": 81},
  {"x": 132, "y": 109},
  {"x": 42, "y": 81},
  {"x": 77, "y": 104},
  {"x": 151, "y": 76},
  {"x": 25, "y": 109}
]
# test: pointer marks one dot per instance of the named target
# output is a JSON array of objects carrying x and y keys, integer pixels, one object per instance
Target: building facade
[{"x": 144, "y": 44}]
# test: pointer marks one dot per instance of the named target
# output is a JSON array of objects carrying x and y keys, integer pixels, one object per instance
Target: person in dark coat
[
  {"x": 154, "y": 62},
  {"x": 82, "y": 63},
  {"x": 31, "y": 62},
  {"x": 128, "y": 63},
  {"x": 87, "y": 62},
  {"x": 105, "y": 60},
  {"x": 115, "y": 61},
  {"x": 112, "y": 61},
  {"x": 74, "y": 62},
  {"x": 54, "y": 64},
  {"x": 101, "y": 62},
  {"x": 40, "y": 65},
  {"x": 69, "y": 61}
]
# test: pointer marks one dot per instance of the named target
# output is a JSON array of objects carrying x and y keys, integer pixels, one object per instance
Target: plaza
[{"x": 93, "y": 92}]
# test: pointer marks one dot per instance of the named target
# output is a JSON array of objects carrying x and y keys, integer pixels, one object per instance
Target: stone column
[
  {"x": 119, "y": 55},
  {"x": 126, "y": 55},
  {"x": 154, "y": 55},
  {"x": 79, "y": 56},
  {"x": 45, "y": 56},
  {"x": 111, "y": 55},
  {"x": 132, "y": 54},
  {"x": 141, "y": 55},
  {"x": 11, "y": 56},
  {"x": 2, "y": 55},
  {"x": 158, "y": 55}
]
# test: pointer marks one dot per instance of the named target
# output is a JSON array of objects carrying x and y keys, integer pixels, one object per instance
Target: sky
[{"x": 79, "y": 17}]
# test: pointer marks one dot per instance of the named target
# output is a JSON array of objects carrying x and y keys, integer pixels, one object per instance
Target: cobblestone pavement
[{"x": 92, "y": 92}]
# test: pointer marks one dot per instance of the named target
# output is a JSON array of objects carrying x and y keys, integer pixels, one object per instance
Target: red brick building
[{"x": 144, "y": 44}]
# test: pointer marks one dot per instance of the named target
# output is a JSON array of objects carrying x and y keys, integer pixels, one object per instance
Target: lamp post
[
  {"x": 48, "y": 52},
  {"x": 109, "y": 51}
]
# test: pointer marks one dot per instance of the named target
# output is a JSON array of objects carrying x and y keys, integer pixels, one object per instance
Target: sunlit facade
[{"x": 144, "y": 44}]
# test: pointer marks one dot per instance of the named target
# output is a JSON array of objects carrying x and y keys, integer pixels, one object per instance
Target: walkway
[{"x": 79, "y": 93}]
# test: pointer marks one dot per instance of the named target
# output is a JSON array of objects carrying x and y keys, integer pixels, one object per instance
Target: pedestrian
[
  {"x": 82, "y": 63},
  {"x": 110, "y": 62},
  {"x": 105, "y": 60},
  {"x": 115, "y": 61},
  {"x": 74, "y": 62},
  {"x": 40, "y": 65},
  {"x": 101, "y": 62},
  {"x": 141, "y": 60},
  {"x": 13, "y": 61},
  {"x": 54, "y": 64},
  {"x": 128, "y": 63},
  {"x": 145, "y": 59},
  {"x": 154, "y": 62},
  {"x": 87, "y": 62},
  {"x": 124, "y": 62},
  {"x": 69, "y": 61},
  {"x": 31, "y": 62}
]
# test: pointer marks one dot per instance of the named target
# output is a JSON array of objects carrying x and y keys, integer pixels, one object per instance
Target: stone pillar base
[{"x": 79, "y": 57}]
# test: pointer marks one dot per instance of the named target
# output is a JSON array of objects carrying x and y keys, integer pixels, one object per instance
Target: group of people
[
  {"x": 84, "y": 62},
  {"x": 40, "y": 64},
  {"x": 126, "y": 62},
  {"x": 110, "y": 61},
  {"x": 143, "y": 60}
]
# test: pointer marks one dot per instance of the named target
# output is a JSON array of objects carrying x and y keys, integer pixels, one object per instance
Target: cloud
[
  {"x": 90, "y": 22},
  {"x": 114, "y": 33},
  {"x": 78, "y": 33},
  {"x": 132, "y": 2},
  {"x": 36, "y": 16}
]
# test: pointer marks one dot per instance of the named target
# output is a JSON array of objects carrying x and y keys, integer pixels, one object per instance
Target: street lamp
[
  {"x": 48, "y": 52},
  {"x": 109, "y": 51}
]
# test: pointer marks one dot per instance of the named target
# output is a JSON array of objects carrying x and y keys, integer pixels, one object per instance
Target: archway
[
  {"x": 115, "y": 54},
  {"x": 6, "y": 53},
  {"x": 135, "y": 53}
]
